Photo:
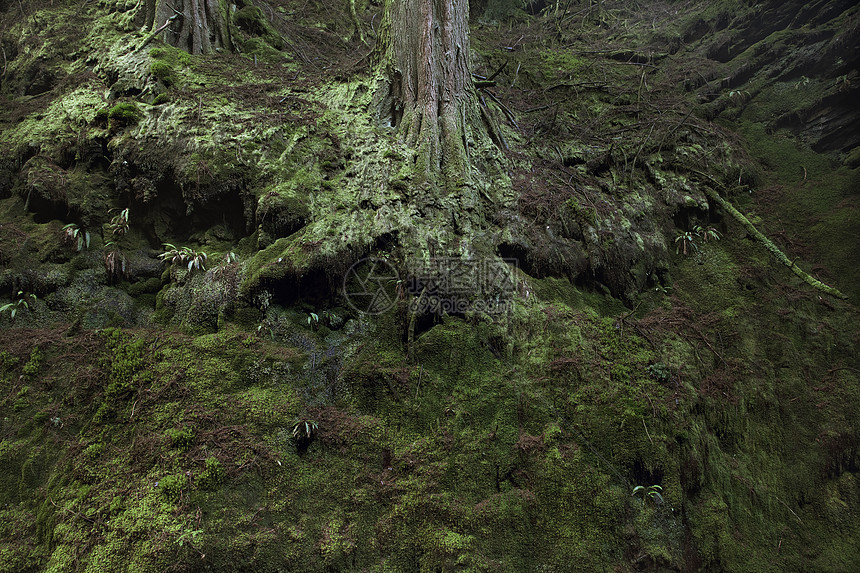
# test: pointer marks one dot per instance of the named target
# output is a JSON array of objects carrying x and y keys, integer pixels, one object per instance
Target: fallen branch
[
  {"x": 504, "y": 108},
  {"x": 484, "y": 83},
  {"x": 768, "y": 244},
  {"x": 159, "y": 30},
  {"x": 497, "y": 72}
]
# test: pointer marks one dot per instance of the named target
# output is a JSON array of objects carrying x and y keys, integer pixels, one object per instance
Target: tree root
[{"x": 768, "y": 244}]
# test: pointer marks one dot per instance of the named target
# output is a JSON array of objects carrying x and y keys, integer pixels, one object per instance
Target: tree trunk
[
  {"x": 196, "y": 26},
  {"x": 426, "y": 91}
]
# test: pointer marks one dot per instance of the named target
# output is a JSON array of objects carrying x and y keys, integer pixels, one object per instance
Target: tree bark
[
  {"x": 426, "y": 91},
  {"x": 198, "y": 26}
]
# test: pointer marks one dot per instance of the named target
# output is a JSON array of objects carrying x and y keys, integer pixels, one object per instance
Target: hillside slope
[{"x": 248, "y": 337}]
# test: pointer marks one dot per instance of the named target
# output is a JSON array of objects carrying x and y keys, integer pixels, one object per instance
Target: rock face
[{"x": 790, "y": 65}]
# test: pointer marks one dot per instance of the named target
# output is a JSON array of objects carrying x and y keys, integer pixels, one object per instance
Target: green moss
[
  {"x": 7, "y": 361},
  {"x": 464, "y": 443},
  {"x": 283, "y": 258},
  {"x": 171, "y": 487},
  {"x": 251, "y": 20},
  {"x": 164, "y": 72},
  {"x": 149, "y": 286},
  {"x": 94, "y": 450},
  {"x": 124, "y": 114},
  {"x": 22, "y": 400},
  {"x": 212, "y": 476},
  {"x": 31, "y": 367},
  {"x": 181, "y": 439},
  {"x": 125, "y": 371},
  {"x": 562, "y": 62},
  {"x": 587, "y": 214}
]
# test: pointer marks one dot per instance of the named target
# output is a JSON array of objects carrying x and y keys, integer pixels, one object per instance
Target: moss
[
  {"x": 181, "y": 439},
  {"x": 561, "y": 62},
  {"x": 124, "y": 114},
  {"x": 212, "y": 475},
  {"x": 161, "y": 99},
  {"x": 7, "y": 361},
  {"x": 125, "y": 371},
  {"x": 22, "y": 400},
  {"x": 164, "y": 72},
  {"x": 284, "y": 257},
  {"x": 149, "y": 286},
  {"x": 587, "y": 214},
  {"x": 172, "y": 487},
  {"x": 31, "y": 367},
  {"x": 251, "y": 20},
  {"x": 478, "y": 443}
]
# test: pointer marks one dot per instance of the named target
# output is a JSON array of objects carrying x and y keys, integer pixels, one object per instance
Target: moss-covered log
[{"x": 768, "y": 244}]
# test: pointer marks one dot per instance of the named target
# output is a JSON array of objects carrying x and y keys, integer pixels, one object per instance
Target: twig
[
  {"x": 638, "y": 151},
  {"x": 465, "y": 137},
  {"x": 673, "y": 130},
  {"x": 832, "y": 370},
  {"x": 634, "y": 64},
  {"x": 516, "y": 75},
  {"x": 639, "y": 93},
  {"x": 576, "y": 85},
  {"x": 539, "y": 108},
  {"x": 79, "y": 514},
  {"x": 511, "y": 48},
  {"x": 160, "y": 29},
  {"x": 632, "y": 312},
  {"x": 789, "y": 509},
  {"x": 646, "y": 432}
]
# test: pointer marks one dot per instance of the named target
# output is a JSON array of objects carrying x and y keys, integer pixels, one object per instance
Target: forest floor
[{"x": 660, "y": 395}]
